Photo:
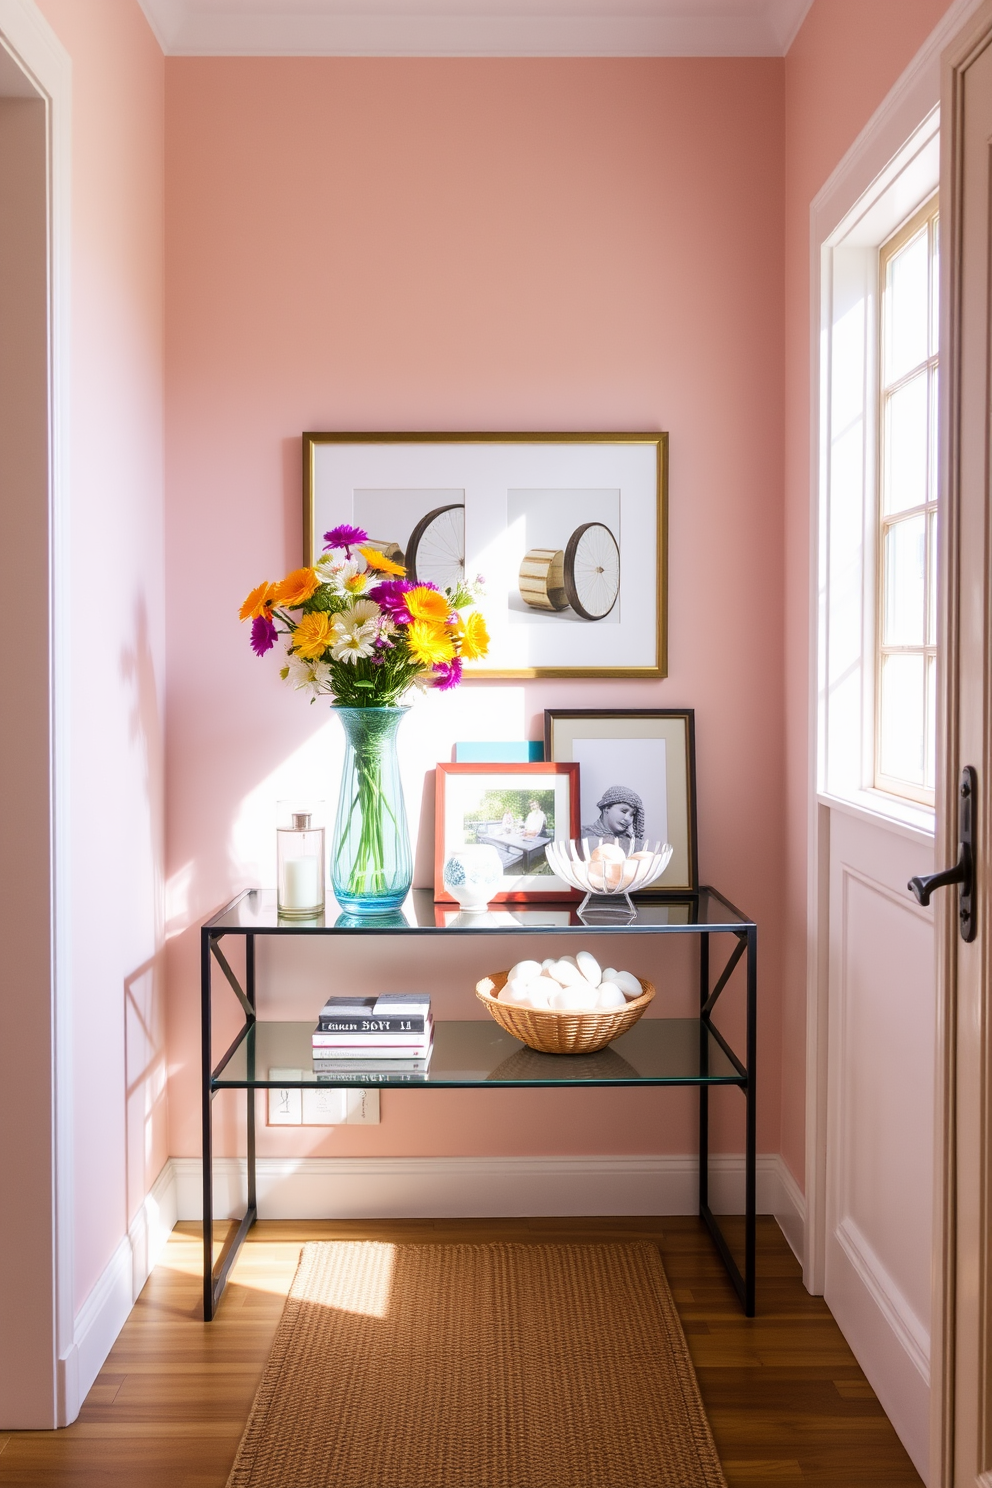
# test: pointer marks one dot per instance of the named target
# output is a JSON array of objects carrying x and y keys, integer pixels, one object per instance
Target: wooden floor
[{"x": 786, "y": 1400}]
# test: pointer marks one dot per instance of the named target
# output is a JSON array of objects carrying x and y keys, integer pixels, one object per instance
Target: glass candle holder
[{"x": 300, "y": 867}]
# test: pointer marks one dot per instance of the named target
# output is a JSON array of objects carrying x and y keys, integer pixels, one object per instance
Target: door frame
[
  {"x": 961, "y": 1410},
  {"x": 36, "y": 64}
]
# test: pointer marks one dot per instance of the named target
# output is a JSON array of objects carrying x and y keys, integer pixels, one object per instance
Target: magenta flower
[
  {"x": 447, "y": 673},
  {"x": 390, "y": 596},
  {"x": 263, "y": 635},
  {"x": 345, "y": 537}
]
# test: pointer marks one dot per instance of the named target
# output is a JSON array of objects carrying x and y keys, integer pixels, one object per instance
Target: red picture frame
[{"x": 518, "y": 847}]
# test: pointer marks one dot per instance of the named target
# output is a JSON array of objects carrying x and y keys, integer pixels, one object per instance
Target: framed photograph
[
  {"x": 515, "y": 808},
  {"x": 567, "y": 531},
  {"x": 637, "y": 778}
]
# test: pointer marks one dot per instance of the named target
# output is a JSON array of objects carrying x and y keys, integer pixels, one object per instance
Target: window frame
[
  {"x": 926, "y": 217},
  {"x": 847, "y": 232}
]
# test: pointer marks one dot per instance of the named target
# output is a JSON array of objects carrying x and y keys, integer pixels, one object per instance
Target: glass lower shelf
[{"x": 656, "y": 1051}]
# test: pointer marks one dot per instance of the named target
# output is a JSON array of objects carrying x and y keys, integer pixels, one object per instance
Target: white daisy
[
  {"x": 362, "y": 611},
  {"x": 345, "y": 575},
  {"x": 307, "y": 676},
  {"x": 355, "y": 632}
]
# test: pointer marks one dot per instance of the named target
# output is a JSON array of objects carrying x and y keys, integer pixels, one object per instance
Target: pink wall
[
  {"x": 472, "y": 244},
  {"x": 116, "y": 483},
  {"x": 846, "y": 57}
]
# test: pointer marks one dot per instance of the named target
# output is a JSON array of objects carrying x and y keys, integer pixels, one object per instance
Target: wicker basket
[{"x": 560, "y": 1033}]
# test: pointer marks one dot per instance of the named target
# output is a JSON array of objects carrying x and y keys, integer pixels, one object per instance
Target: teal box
[{"x": 499, "y": 752}]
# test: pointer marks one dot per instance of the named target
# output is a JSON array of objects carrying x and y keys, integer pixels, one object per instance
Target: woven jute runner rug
[{"x": 478, "y": 1366}]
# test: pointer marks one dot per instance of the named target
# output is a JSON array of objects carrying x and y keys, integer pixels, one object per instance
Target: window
[
  {"x": 875, "y": 372},
  {"x": 906, "y": 660}
]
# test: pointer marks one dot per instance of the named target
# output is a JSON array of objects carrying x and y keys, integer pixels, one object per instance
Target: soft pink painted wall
[
  {"x": 846, "y": 57},
  {"x": 363, "y": 244},
  {"x": 117, "y": 648}
]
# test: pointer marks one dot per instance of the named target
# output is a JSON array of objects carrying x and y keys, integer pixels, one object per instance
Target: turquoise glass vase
[{"x": 371, "y": 861}]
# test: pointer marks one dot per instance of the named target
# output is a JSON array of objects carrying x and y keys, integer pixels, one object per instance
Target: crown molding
[{"x": 479, "y": 28}]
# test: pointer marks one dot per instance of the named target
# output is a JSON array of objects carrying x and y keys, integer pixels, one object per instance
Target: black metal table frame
[{"x": 215, "y": 1275}]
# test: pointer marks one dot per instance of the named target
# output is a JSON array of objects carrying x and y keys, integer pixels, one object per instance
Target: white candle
[{"x": 301, "y": 883}]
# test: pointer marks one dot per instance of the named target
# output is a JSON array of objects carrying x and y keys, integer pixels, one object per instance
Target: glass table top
[
  {"x": 656, "y": 1051},
  {"x": 255, "y": 911}
]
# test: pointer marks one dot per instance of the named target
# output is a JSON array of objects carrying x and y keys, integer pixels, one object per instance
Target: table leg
[
  {"x": 744, "y": 1283},
  {"x": 206, "y": 1147},
  {"x": 704, "y": 1093},
  {"x": 751, "y": 1119},
  {"x": 250, "y": 1093},
  {"x": 215, "y": 1279}
]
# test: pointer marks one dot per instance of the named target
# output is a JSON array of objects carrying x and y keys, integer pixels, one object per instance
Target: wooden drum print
[
  {"x": 584, "y": 575},
  {"x": 542, "y": 579}
]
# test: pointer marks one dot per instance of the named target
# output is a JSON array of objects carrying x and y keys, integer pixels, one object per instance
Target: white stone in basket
[
  {"x": 589, "y": 967},
  {"x": 568, "y": 974},
  {"x": 628, "y": 984},
  {"x": 576, "y": 999}
]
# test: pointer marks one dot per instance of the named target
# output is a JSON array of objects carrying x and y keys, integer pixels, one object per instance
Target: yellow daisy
[
  {"x": 259, "y": 602},
  {"x": 428, "y": 604},
  {"x": 473, "y": 635},
  {"x": 429, "y": 643},
  {"x": 380, "y": 562},
  {"x": 313, "y": 635},
  {"x": 297, "y": 587}
]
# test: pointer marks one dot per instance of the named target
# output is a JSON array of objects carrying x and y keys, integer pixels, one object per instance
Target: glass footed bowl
[{"x": 608, "y": 885}]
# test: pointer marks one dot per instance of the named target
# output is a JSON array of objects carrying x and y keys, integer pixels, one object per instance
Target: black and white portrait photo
[
  {"x": 623, "y": 788},
  {"x": 621, "y": 816},
  {"x": 636, "y": 780}
]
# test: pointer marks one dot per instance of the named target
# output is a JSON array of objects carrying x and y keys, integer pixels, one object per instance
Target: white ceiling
[{"x": 476, "y": 28}]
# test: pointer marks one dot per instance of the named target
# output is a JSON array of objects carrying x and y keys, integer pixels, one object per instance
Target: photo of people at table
[{"x": 519, "y": 824}]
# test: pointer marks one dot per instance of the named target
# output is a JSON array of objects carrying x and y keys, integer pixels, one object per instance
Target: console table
[{"x": 478, "y": 1054}]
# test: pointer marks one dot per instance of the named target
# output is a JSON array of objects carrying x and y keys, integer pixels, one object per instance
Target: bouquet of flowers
[{"x": 362, "y": 632}]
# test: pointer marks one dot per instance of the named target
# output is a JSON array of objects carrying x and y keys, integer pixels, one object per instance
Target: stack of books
[{"x": 392, "y": 1034}]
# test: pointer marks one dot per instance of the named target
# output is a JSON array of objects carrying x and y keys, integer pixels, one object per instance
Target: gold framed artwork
[
  {"x": 637, "y": 779},
  {"x": 568, "y": 532}
]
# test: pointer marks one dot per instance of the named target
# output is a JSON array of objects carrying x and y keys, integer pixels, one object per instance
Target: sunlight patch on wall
[{"x": 311, "y": 774}]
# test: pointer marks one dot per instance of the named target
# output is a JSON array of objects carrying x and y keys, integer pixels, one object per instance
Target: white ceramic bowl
[{"x": 570, "y": 860}]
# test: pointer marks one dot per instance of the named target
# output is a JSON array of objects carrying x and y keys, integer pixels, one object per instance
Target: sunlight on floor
[
  {"x": 361, "y": 1280},
  {"x": 360, "y": 1277}
]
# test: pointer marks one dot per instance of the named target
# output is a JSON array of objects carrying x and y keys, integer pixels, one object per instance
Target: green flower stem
[{"x": 368, "y": 874}]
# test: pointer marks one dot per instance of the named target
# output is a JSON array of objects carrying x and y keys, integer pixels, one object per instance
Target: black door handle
[
  {"x": 963, "y": 872},
  {"x": 923, "y": 886}
]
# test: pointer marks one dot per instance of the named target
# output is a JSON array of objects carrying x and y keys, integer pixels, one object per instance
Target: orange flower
[
  {"x": 259, "y": 602},
  {"x": 473, "y": 636},
  {"x": 428, "y": 604},
  {"x": 380, "y": 562},
  {"x": 429, "y": 643},
  {"x": 313, "y": 635},
  {"x": 297, "y": 587}
]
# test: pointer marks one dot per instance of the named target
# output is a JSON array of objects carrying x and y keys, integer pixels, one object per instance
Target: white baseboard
[
  {"x": 890, "y": 1341},
  {"x": 487, "y": 1187},
  {"x": 791, "y": 1210},
  {"x": 105, "y": 1310}
]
